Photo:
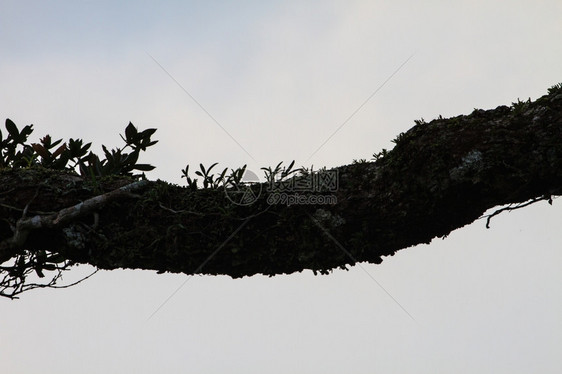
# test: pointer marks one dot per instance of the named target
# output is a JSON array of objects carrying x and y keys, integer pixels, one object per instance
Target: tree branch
[
  {"x": 56, "y": 220},
  {"x": 440, "y": 176}
]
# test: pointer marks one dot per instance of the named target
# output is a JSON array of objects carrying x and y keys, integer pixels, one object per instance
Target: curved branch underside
[{"x": 439, "y": 177}]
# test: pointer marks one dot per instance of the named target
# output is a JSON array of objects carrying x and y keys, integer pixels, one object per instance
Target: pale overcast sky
[{"x": 280, "y": 78}]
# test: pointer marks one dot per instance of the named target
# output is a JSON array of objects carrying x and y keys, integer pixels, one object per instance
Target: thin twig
[{"x": 518, "y": 206}]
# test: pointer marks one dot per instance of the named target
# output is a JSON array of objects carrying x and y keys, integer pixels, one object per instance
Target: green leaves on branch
[
  {"x": 138, "y": 140},
  {"x": 236, "y": 176},
  {"x": 212, "y": 181},
  {"x": 15, "y": 152},
  {"x": 555, "y": 89},
  {"x": 280, "y": 173},
  {"x": 118, "y": 162}
]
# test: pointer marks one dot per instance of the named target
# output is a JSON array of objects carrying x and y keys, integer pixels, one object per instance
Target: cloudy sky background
[{"x": 281, "y": 78}]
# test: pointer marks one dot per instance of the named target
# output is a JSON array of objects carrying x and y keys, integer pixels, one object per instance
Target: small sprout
[
  {"x": 420, "y": 121},
  {"x": 206, "y": 175},
  {"x": 191, "y": 183},
  {"x": 519, "y": 106},
  {"x": 278, "y": 174},
  {"x": 380, "y": 155},
  {"x": 555, "y": 88},
  {"x": 360, "y": 161},
  {"x": 400, "y": 137}
]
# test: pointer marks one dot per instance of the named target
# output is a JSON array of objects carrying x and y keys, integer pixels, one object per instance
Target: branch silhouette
[{"x": 440, "y": 176}]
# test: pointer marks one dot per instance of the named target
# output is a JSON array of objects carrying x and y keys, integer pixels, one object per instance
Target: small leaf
[
  {"x": 39, "y": 272},
  {"x": 59, "y": 150},
  {"x": 55, "y": 143},
  {"x": 26, "y": 131},
  {"x": 185, "y": 172},
  {"x": 41, "y": 151},
  {"x": 131, "y": 158},
  {"x": 77, "y": 149},
  {"x": 83, "y": 169},
  {"x": 147, "y": 133},
  {"x": 130, "y": 133},
  {"x": 108, "y": 155},
  {"x": 221, "y": 176},
  {"x": 212, "y": 166},
  {"x": 46, "y": 141},
  {"x": 143, "y": 167},
  {"x": 55, "y": 258},
  {"x": 12, "y": 128}
]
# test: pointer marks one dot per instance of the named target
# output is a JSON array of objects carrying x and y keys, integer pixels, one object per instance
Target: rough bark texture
[{"x": 440, "y": 176}]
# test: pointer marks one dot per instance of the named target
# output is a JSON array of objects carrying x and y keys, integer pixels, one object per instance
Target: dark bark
[{"x": 439, "y": 177}]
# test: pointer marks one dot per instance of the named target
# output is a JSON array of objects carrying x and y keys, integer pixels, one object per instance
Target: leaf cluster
[
  {"x": 280, "y": 173},
  {"x": 210, "y": 180},
  {"x": 380, "y": 155},
  {"x": 16, "y": 152},
  {"x": 554, "y": 89},
  {"x": 16, "y": 276},
  {"x": 520, "y": 106},
  {"x": 234, "y": 178}
]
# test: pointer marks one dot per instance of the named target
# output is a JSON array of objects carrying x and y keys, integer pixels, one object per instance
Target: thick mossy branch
[
  {"x": 440, "y": 176},
  {"x": 65, "y": 216}
]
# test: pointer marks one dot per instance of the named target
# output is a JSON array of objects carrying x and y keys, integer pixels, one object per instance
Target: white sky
[{"x": 281, "y": 77}]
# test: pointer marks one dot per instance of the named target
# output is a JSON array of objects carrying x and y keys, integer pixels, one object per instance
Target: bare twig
[{"x": 511, "y": 207}]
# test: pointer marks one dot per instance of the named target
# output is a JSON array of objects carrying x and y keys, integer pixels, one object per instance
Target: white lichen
[
  {"x": 470, "y": 164},
  {"x": 74, "y": 238}
]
